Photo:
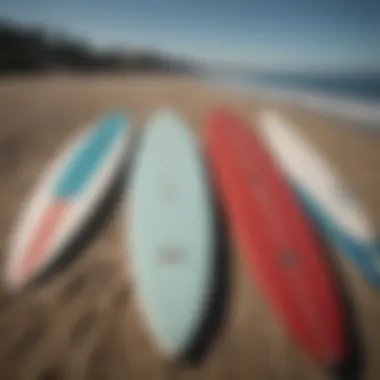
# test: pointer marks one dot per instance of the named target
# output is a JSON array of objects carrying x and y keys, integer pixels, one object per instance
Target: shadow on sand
[
  {"x": 216, "y": 309},
  {"x": 351, "y": 368}
]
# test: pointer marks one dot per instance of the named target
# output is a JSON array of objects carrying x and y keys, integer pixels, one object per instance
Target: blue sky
[{"x": 276, "y": 34}]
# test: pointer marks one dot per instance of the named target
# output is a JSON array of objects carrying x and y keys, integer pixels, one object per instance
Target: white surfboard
[
  {"x": 66, "y": 198},
  {"x": 171, "y": 239},
  {"x": 327, "y": 197}
]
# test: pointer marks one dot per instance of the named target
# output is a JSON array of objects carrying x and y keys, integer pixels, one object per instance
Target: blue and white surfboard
[
  {"x": 338, "y": 213},
  {"x": 170, "y": 233},
  {"x": 66, "y": 198}
]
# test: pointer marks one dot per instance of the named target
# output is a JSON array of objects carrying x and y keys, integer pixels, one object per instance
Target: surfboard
[
  {"x": 326, "y": 196},
  {"x": 171, "y": 238},
  {"x": 278, "y": 244},
  {"x": 71, "y": 189}
]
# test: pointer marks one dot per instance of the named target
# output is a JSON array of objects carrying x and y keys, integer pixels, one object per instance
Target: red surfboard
[{"x": 278, "y": 243}]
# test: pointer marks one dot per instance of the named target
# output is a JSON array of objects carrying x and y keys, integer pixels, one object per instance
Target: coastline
[{"x": 355, "y": 112}]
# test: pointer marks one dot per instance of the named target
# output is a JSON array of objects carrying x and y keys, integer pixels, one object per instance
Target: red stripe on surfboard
[
  {"x": 268, "y": 222},
  {"x": 35, "y": 253}
]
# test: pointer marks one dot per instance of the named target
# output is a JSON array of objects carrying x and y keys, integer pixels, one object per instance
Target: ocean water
[
  {"x": 353, "y": 98},
  {"x": 363, "y": 87}
]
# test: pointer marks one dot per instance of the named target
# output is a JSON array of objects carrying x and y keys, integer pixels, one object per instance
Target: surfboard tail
[{"x": 46, "y": 228}]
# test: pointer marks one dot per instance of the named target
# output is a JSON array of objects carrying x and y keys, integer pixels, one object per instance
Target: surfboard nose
[{"x": 89, "y": 155}]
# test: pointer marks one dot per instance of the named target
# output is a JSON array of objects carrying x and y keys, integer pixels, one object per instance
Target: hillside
[{"x": 34, "y": 49}]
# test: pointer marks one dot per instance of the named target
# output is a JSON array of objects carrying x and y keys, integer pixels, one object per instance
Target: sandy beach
[{"x": 84, "y": 323}]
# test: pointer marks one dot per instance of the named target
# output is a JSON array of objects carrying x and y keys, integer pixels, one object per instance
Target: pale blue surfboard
[{"x": 170, "y": 240}]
